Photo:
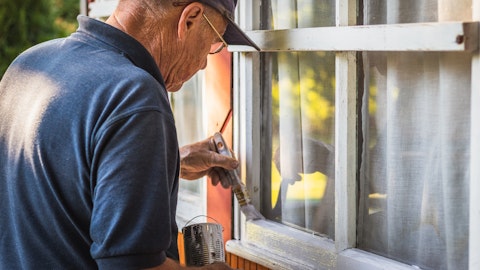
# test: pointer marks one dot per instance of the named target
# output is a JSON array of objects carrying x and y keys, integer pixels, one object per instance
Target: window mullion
[
  {"x": 345, "y": 136},
  {"x": 474, "y": 261},
  {"x": 345, "y": 151},
  {"x": 246, "y": 108}
]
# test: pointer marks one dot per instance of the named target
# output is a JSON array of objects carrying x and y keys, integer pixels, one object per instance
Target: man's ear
[{"x": 191, "y": 17}]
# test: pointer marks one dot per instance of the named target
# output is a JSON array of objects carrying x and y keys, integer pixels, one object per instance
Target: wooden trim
[
  {"x": 237, "y": 262},
  {"x": 345, "y": 136},
  {"x": 474, "y": 214},
  {"x": 281, "y": 247},
  {"x": 440, "y": 36}
]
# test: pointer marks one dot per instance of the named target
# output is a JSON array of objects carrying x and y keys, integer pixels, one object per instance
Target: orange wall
[
  {"x": 218, "y": 85},
  {"x": 218, "y": 95},
  {"x": 218, "y": 98}
]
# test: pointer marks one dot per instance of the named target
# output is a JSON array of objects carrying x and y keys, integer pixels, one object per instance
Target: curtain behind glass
[
  {"x": 415, "y": 172},
  {"x": 302, "y": 185}
]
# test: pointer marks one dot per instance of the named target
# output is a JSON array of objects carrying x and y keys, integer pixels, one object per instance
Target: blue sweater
[{"x": 89, "y": 157}]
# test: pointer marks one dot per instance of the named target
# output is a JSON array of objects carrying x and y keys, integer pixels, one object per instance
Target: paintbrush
[{"x": 238, "y": 188}]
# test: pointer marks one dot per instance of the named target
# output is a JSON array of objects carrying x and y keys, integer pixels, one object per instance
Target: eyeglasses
[{"x": 216, "y": 48}]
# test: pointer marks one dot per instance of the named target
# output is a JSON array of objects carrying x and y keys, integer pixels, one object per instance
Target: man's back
[{"x": 71, "y": 138}]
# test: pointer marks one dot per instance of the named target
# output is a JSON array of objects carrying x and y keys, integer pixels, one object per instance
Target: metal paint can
[{"x": 203, "y": 244}]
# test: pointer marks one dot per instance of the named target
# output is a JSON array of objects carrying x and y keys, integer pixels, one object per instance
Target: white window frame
[{"x": 277, "y": 246}]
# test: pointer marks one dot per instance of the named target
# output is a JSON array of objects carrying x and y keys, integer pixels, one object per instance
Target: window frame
[
  {"x": 277, "y": 246},
  {"x": 474, "y": 234}
]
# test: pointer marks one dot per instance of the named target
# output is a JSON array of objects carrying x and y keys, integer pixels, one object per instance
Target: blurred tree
[{"x": 29, "y": 22}]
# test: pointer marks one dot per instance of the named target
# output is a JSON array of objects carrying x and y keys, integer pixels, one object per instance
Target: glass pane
[
  {"x": 301, "y": 190},
  {"x": 188, "y": 111},
  {"x": 287, "y": 14},
  {"x": 414, "y": 189},
  {"x": 416, "y": 11}
]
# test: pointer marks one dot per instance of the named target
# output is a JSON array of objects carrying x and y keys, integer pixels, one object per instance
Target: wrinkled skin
[{"x": 200, "y": 159}]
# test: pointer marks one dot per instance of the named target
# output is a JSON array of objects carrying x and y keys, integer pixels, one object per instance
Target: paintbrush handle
[{"x": 238, "y": 187}]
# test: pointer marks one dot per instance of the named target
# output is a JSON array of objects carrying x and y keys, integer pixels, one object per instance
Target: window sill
[
  {"x": 262, "y": 257},
  {"x": 277, "y": 246},
  {"x": 362, "y": 260}
]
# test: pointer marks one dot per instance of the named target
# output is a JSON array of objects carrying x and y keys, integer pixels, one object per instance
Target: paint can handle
[{"x": 188, "y": 222}]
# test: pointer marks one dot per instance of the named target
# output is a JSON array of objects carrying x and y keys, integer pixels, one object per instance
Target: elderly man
[{"x": 89, "y": 159}]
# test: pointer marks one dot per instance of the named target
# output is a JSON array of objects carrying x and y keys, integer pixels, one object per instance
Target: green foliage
[
  {"x": 28, "y": 22},
  {"x": 305, "y": 82}
]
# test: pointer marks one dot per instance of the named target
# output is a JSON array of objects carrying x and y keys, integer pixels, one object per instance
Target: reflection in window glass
[
  {"x": 287, "y": 14},
  {"x": 400, "y": 11},
  {"x": 300, "y": 192},
  {"x": 414, "y": 196},
  {"x": 303, "y": 109},
  {"x": 187, "y": 109},
  {"x": 416, "y": 11}
]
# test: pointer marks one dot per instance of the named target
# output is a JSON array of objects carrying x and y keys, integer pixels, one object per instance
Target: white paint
[
  {"x": 345, "y": 136},
  {"x": 345, "y": 151},
  {"x": 474, "y": 240},
  {"x": 361, "y": 260},
  {"x": 281, "y": 247},
  {"x": 390, "y": 37}
]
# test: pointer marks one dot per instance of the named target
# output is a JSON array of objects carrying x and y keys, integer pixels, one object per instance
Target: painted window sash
[
  {"x": 441, "y": 36},
  {"x": 280, "y": 247}
]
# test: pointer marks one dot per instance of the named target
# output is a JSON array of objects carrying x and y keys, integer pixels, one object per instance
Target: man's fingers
[
  {"x": 218, "y": 160},
  {"x": 203, "y": 160},
  {"x": 198, "y": 159},
  {"x": 189, "y": 175},
  {"x": 214, "y": 177},
  {"x": 227, "y": 180},
  {"x": 220, "y": 175}
]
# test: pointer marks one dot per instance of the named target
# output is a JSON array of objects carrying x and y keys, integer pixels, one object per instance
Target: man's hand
[{"x": 200, "y": 159}]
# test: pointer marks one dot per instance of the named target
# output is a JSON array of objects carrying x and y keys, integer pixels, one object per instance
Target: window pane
[
  {"x": 288, "y": 14},
  {"x": 414, "y": 193},
  {"x": 301, "y": 190},
  {"x": 416, "y": 11},
  {"x": 188, "y": 111}
]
